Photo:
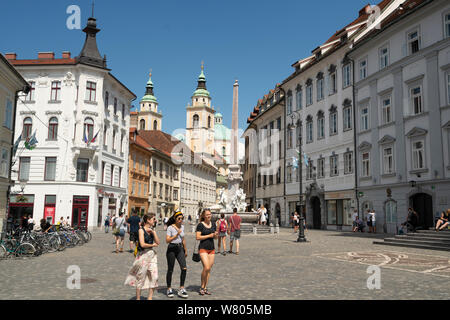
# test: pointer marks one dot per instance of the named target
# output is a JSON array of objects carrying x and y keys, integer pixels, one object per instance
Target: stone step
[
  {"x": 413, "y": 245},
  {"x": 426, "y": 236},
  {"x": 405, "y": 239}
]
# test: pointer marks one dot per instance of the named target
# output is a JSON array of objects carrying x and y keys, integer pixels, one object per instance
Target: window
[
  {"x": 364, "y": 118},
  {"x": 27, "y": 128},
  {"x": 386, "y": 110},
  {"x": 120, "y": 177},
  {"x": 195, "y": 121},
  {"x": 155, "y": 167},
  {"x": 347, "y": 75},
  {"x": 89, "y": 128},
  {"x": 209, "y": 122},
  {"x": 105, "y": 137},
  {"x": 334, "y": 165},
  {"x": 320, "y": 168},
  {"x": 391, "y": 211},
  {"x": 50, "y": 169},
  {"x": 365, "y": 172},
  {"x": 30, "y": 95},
  {"x": 384, "y": 57},
  {"x": 112, "y": 175},
  {"x": 310, "y": 170},
  {"x": 115, "y": 106},
  {"x": 309, "y": 130},
  {"x": 8, "y": 114},
  {"x": 299, "y": 98},
  {"x": 53, "y": 128},
  {"x": 289, "y": 174},
  {"x": 106, "y": 99},
  {"x": 155, "y": 125},
  {"x": 418, "y": 154},
  {"x": 320, "y": 126},
  {"x": 56, "y": 91},
  {"x": 298, "y": 133},
  {"x": 416, "y": 100},
  {"x": 363, "y": 69},
  {"x": 142, "y": 124},
  {"x": 319, "y": 89},
  {"x": 309, "y": 90},
  {"x": 91, "y": 88},
  {"x": 347, "y": 118},
  {"x": 155, "y": 185},
  {"x": 24, "y": 168},
  {"x": 175, "y": 194},
  {"x": 333, "y": 123},
  {"x": 447, "y": 25},
  {"x": 121, "y": 142},
  {"x": 114, "y": 141},
  {"x": 413, "y": 42},
  {"x": 123, "y": 111},
  {"x": 82, "y": 170},
  {"x": 290, "y": 138},
  {"x": 333, "y": 83},
  {"x": 4, "y": 165},
  {"x": 289, "y": 102},
  {"x": 103, "y": 172},
  {"x": 388, "y": 160},
  {"x": 348, "y": 162}
]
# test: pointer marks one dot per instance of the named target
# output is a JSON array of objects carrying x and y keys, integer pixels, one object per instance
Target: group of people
[
  {"x": 263, "y": 216},
  {"x": 359, "y": 224},
  {"x": 144, "y": 272},
  {"x": 295, "y": 217}
]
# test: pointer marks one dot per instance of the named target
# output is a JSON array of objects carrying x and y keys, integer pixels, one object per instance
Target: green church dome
[
  {"x": 221, "y": 132},
  {"x": 149, "y": 97}
]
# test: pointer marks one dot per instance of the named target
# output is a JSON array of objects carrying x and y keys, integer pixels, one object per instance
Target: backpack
[{"x": 222, "y": 226}]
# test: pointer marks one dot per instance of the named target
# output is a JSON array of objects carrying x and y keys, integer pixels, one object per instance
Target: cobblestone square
[{"x": 332, "y": 265}]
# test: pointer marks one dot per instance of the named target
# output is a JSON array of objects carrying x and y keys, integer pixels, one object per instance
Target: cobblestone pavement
[{"x": 269, "y": 267}]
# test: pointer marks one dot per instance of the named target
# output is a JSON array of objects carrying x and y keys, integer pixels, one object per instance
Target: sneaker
[
  {"x": 224, "y": 253},
  {"x": 170, "y": 293},
  {"x": 182, "y": 293}
]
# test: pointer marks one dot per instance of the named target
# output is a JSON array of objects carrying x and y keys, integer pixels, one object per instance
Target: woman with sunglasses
[
  {"x": 176, "y": 250},
  {"x": 206, "y": 233}
]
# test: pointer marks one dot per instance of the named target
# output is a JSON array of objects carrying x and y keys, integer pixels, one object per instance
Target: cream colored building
[{"x": 11, "y": 84}]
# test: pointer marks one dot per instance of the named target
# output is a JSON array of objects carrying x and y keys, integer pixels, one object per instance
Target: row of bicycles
[{"x": 20, "y": 243}]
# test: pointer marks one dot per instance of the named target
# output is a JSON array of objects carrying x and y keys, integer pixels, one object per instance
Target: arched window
[
  {"x": 142, "y": 124},
  {"x": 89, "y": 128},
  {"x": 115, "y": 106},
  {"x": 53, "y": 128},
  {"x": 106, "y": 99},
  {"x": 27, "y": 127},
  {"x": 196, "y": 120},
  {"x": 155, "y": 125},
  {"x": 209, "y": 122},
  {"x": 224, "y": 151}
]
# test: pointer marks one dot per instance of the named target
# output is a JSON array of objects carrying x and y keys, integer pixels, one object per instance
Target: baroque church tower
[
  {"x": 148, "y": 117},
  {"x": 200, "y": 121}
]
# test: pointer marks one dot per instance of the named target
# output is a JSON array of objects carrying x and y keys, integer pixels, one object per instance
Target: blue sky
[{"x": 252, "y": 41}]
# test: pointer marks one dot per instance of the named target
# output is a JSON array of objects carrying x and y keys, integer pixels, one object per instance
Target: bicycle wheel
[
  {"x": 3, "y": 252},
  {"x": 53, "y": 244},
  {"x": 25, "y": 250}
]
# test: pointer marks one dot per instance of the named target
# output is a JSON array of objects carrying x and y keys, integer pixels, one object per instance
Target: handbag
[
  {"x": 195, "y": 254},
  {"x": 116, "y": 230}
]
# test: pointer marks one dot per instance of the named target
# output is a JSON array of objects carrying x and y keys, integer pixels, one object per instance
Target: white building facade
[
  {"x": 402, "y": 93},
  {"x": 79, "y": 113}
]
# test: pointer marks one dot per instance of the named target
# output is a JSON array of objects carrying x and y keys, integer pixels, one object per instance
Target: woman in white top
[{"x": 263, "y": 215}]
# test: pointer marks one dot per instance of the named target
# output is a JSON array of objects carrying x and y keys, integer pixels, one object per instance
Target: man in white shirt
[{"x": 372, "y": 218}]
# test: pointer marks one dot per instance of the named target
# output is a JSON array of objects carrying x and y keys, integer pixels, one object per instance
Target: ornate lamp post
[{"x": 301, "y": 233}]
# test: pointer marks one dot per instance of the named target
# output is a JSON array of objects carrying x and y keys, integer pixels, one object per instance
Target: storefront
[
  {"x": 19, "y": 206},
  {"x": 80, "y": 211},
  {"x": 50, "y": 208},
  {"x": 340, "y": 206}
]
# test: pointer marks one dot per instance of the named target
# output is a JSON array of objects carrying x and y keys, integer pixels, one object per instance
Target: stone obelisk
[{"x": 235, "y": 174}]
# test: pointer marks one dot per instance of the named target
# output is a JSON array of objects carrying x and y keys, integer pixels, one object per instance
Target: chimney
[
  {"x": 46, "y": 55},
  {"x": 11, "y": 56},
  {"x": 365, "y": 10},
  {"x": 66, "y": 55}
]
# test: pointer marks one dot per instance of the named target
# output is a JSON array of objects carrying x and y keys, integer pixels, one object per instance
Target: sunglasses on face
[{"x": 180, "y": 218}]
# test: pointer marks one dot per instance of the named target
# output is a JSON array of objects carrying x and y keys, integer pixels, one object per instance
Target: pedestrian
[
  {"x": 67, "y": 222},
  {"x": 165, "y": 220},
  {"x": 354, "y": 219},
  {"x": 296, "y": 222},
  {"x": 259, "y": 212},
  {"x": 234, "y": 230},
  {"x": 24, "y": 223},
  {"x": 30, "y": 223},
  {"x": 176, "y": 249},
  {"x": 263, "y": 215},
  {"x": 222, "y": 226},
  {"x": 120, "y": 228},
  {"x": 107, "y": 223},
  {"x": 206, "y": 233},
  {"x": 190, "y": 219},
  {"x": 144, "y": 272},
  {"x": 374, "y": 225},
  {"x": 369, "y": 220},
  {"x": 133, "y": 223}
]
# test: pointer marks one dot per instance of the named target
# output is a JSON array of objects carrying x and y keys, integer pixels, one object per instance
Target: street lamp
[{"x": 301, "y": 233}]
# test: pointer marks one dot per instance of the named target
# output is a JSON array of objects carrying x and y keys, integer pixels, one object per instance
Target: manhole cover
[{"x": 87, "y": 280}]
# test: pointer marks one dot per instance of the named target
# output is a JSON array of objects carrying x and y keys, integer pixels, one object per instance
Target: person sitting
[
  {"x": 442, "y": 221},
  {"x": 411, "y": 221},
  {"x": 45, "y": 226},
  {"x": 360, "y": 224}
]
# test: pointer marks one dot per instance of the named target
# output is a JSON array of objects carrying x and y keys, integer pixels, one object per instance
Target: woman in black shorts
[{"x": 206, "y": 233}]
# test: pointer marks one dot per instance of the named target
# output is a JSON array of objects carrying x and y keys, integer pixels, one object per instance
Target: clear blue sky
[{"x": 253, "y": 41}]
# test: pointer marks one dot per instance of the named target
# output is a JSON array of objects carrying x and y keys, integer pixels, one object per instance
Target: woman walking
[
  {"x": 120, "y": 227},
  {"x": 176, "y": 250},
  {"x": 222, "y": 226},
  {"x": 206, "y": 233},
  {"x": 144, "y": 272}
]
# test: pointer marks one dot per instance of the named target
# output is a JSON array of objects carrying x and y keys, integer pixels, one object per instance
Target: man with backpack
[
  {"x": 222, "y": 226},
  {"x": 107, "y": 223}
]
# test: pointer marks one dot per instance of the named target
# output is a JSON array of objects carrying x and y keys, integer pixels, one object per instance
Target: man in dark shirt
[{"x": 134, "y": 223}]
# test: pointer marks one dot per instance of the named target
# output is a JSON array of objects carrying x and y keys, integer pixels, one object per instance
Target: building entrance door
[
  {"x": 422, "y": 203},
  {"x": 317, "y": 219},
  {"x": 80, "y": 210}
]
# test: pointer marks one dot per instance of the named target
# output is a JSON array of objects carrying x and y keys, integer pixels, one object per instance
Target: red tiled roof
[{"x": 32, "y": 62}]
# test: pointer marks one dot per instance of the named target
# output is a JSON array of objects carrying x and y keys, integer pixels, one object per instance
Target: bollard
[
  {"x": 272, "y": 229},
  {"x": 277, "y": 229},
  {"x": 255, "y": 231}
]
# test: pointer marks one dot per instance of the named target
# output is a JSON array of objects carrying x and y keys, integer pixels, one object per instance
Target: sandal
[
  {"x": 207, "y": 292},
  {"x": 201, "y": 292}
]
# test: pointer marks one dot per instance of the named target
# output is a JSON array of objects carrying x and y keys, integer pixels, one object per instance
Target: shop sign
[{"x": 339, "y": 195}]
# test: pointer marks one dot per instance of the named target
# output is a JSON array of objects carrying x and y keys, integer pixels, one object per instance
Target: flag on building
[
  {"x": 95, "y": 137},
  {"x": 305, "y": 159},
  {"x": 85, "y": 139},
  {"x": 31, "y": 143},
  {"x": 16, "y": 145}
]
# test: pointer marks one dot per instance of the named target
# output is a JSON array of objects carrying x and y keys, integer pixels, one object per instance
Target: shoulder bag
[{"x": 236, "y": 231}]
